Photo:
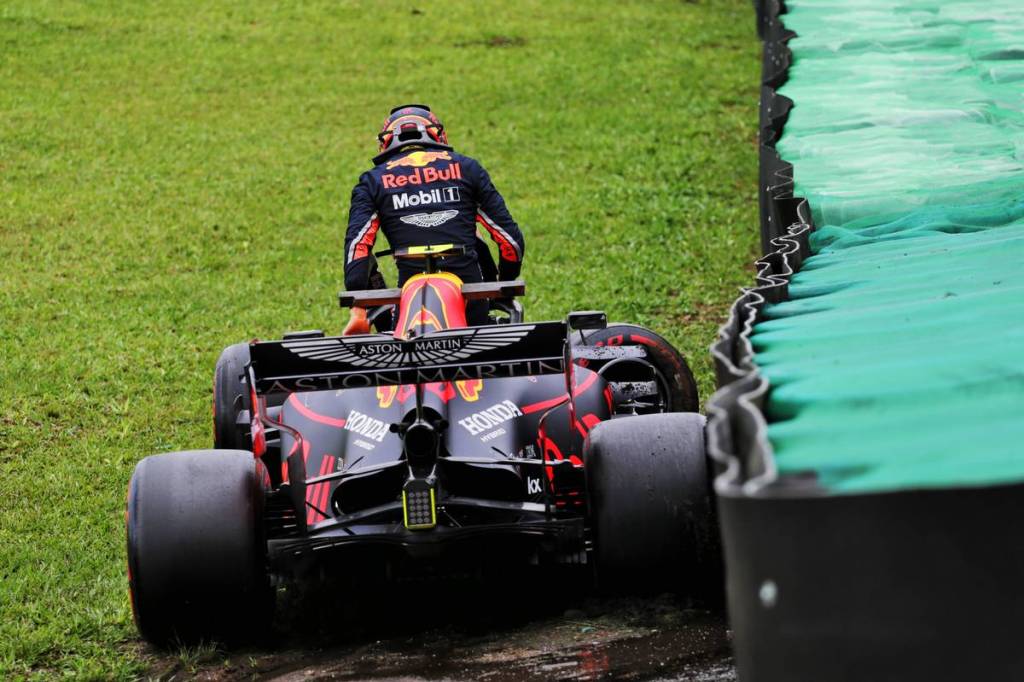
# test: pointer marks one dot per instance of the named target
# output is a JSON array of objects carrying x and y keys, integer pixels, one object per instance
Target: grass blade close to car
[{"x": 174, "y": 178}]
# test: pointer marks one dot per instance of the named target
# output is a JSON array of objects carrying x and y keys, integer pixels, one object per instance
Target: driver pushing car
[{"x": 421, "y": 191}]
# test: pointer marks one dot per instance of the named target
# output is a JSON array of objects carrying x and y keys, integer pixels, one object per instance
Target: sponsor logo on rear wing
[{"x": 337, "y": 362}]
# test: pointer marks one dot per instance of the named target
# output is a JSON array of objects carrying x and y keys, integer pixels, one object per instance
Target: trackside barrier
[{"x": 897, "y": 585}]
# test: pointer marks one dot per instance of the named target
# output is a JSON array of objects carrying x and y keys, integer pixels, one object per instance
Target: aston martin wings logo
[
  {"x": 453, "y": 346},
  {"x": 429, "y": 219}
]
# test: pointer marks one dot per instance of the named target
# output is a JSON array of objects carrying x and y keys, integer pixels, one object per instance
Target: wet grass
[{"x": 174, "y": 177}]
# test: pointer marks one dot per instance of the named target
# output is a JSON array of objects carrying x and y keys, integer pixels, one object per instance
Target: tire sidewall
[
  {"x": 196, "y": 550},
  {"x": 651, "y": 513},
  {"x": 230, "y": 397}
]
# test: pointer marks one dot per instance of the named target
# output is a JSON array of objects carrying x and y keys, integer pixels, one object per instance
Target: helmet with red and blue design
[{"x": 411, "y": 124}]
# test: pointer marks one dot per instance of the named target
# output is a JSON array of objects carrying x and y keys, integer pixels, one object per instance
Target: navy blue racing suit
[{"x": 423, "y": 195}]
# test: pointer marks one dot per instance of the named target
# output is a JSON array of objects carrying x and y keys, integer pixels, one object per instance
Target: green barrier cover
[{"x": 898, "y": 361}]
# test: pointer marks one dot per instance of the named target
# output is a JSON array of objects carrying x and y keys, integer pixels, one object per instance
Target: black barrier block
[
  {"x": 774, "y": 112},
  {"x": 775, "y": 64},
  {"x": 913, "y": 585},
  {"x": 775, "y": 194}
]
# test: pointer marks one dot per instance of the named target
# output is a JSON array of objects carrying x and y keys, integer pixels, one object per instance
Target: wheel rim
[{"x": 664, "y": 392}]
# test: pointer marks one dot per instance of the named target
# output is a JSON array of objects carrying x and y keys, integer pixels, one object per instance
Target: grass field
[{"x": 174, "y": 177}]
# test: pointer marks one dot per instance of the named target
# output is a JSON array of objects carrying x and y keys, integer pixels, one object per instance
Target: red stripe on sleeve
[
  {"x": 366, "y": 243},
  {"x": 505, "y": 247}
]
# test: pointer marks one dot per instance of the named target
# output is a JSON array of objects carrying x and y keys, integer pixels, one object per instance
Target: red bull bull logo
[
  {"x": 419, "y": 159},
  {"x": 470, "y": 389},
  {"x": 386, "y": 395}
]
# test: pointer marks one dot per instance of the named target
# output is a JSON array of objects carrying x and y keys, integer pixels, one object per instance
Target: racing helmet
[{"x": 411, "y": 124}]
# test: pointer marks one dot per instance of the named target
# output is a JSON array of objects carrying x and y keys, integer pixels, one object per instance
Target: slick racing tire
[
  {"x": 196, "y": 550},
  {"x": 651, "y": 510},
  {"x": 230, "y": 397},
  {"x": 677, "y": 386}
]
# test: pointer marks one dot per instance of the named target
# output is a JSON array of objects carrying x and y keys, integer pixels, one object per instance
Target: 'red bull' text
[{"x": 422, "y": 176}]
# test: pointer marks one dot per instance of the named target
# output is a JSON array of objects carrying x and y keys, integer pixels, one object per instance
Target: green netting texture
[{"x": 898, "y": 361}]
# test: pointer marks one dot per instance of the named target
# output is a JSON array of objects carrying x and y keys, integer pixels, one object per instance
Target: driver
[{"x": 421, "y": 191}]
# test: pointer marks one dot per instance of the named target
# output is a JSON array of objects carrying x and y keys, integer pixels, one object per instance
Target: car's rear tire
[
  {"x": 230, "y": 397},
  {"x": 651, "y": 511},
  {"x": 196, "y": 550},
  {"x": 676, "y": 379}
]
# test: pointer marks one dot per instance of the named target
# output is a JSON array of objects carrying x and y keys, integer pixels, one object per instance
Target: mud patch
[
  {"x": 656, "y": 639},
  {"x": 494, "y": 41}
]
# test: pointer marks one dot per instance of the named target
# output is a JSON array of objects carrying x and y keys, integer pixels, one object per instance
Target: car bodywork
[{"x": 439, "y": 439}]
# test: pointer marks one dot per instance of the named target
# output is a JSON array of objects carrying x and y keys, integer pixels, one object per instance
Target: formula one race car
[{"x": 435, "y": 447}]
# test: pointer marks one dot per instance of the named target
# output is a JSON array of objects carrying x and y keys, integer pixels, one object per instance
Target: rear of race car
[
  {"x": 438, "y": 450},
  {"x": 485, "y": 459}
]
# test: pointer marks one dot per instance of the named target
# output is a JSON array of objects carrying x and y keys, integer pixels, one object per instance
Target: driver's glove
[{"x": 357, "y": 323}]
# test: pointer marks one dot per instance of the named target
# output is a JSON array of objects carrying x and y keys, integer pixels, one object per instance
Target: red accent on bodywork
[
  {"x": 263, "y": 473},
  {"x": 587, "y": 422},
  {"x": 310, "y": 414},
  {"x": 550, "y": 446},
  {"x": 587, "y": 383},
  {"x": 305, "y": 458},
  {"x": 327, "y": 466},
  {"x": 544, "y": 404},
  {"x": 445, "y": 309},
  {"x": 470, "y": 389},
  {"x": 386, "y": 395},
  {"x": 295, "y": 448},
  {"x": 316, "y": 495},
  {"x": 256, "y": 430},
  {"x": 311, "y": 493},
  {"x": 259, "y": 437},
  {"x": 284, "y": 463},
  {"x": 613, "y": 341},
  {"x": 579, "y": 389},
  {"x": 549, "y": 450},
  {"x": 443, "y": 390}
]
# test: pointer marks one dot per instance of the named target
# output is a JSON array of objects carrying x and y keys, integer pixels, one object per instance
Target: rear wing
[
  {"x": 342, "y": 362},
  {"x": 471, "y": 292}
]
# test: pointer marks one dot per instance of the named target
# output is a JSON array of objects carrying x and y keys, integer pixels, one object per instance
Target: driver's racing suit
[{"x": 430, "y": 195}]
